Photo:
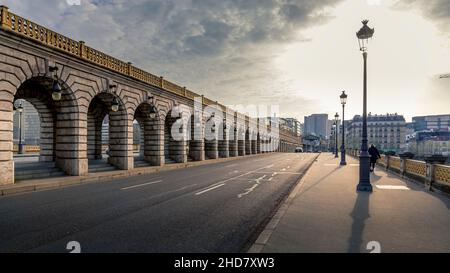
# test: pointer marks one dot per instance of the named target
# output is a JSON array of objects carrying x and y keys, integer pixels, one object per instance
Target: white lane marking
[
  {"x": 219, "y": 184},
  {"x": 231, "y": 165},
  {"x": 328, "y": 164},
  {"x": 288, "y": 167},
  {"x": 284, "y": 169},
  {"x": 252, "y": 188},
  {"x": 391, "y": 187},
  {"x": 209, "y": 189},
  {"x": 141, "y": 185},
  {"x": 270, "y": 179}
]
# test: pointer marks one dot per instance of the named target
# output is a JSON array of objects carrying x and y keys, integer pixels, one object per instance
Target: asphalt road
[{"x": 211, "y": 208}]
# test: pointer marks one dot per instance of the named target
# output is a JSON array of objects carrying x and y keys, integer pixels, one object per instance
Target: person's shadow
[{"x": 359, "y": 214}]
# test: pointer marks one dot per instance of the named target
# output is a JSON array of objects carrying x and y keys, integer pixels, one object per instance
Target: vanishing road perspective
[
  {"x": 210, "y": 208},
  {"x": 224, "y": 127}
]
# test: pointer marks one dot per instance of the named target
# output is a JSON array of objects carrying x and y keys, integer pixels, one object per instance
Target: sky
[{"x": 297, "y": 54}]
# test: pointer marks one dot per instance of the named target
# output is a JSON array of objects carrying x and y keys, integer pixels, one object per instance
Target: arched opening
[
  {"x": 258, "y": 143},
  {"x": 45, "y": 144},
  {"x": 175, "y": 144},
  {"x": 147, "y": 136},
  {"x": 107, "y": 134},
  {"x": 248, "y": 145}
]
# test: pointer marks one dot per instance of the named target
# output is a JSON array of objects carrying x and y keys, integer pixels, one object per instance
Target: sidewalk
[{"x": 324, "y": 213}]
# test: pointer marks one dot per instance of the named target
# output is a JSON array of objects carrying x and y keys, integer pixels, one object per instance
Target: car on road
[{"x": 298, "y": 150}]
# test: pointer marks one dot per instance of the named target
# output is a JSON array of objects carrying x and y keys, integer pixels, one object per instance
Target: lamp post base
[
  {"x": 364, "y": 172},
  {"x": 343, "y": 163},
  {"x": 364, "y": 187}
]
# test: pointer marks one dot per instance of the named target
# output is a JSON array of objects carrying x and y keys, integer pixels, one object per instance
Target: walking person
[{"x": 374, "y": 156}]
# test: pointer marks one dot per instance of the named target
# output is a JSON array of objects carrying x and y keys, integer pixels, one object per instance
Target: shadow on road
[{"x": 359, "y": 215}]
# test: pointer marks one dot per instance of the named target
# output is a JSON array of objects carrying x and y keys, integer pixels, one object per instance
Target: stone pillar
[
  {"x": 431, "y": 162},
  {"x": 258, "y": 144},
  {"x": 120, "y": 141},
  {"x": 241, "y": 142},
  {"x": 71, "y": 143},
  {"x": 197, "y": 141},
  {"x": 223, "y": 144},
  {"x": 211, "y": 149},
  {"x": 248, "y": 145},
  {"x": 253, "y": 141},
  {"x": 154, "y": 142},
  {"x": 233, "y": 143},
  {"x": 6, "y": 133},
  {"x": 403, "y": 158}
]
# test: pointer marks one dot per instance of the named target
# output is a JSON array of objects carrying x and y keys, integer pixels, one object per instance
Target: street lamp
[
  {"x": 56, "y": 87},
  {"x": 115, "y": 101},
  {"x": 364, "y": 158},
  {"x": 343, "y": 97},
  {"x": 19, "y": 109},
  {"x": 336, "y": 117},
  {"x": 153, "y": 109}
]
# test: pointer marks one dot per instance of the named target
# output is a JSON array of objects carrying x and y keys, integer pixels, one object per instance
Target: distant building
[
  {"x": 318, "y": 125},
  {"x": 30, "y": 123},
  {"x": 436, "y": 123},
  {"x": 425, "y": 143},
  {"x": 291, "y": 124},
  {"x": 386, "y": 132}
]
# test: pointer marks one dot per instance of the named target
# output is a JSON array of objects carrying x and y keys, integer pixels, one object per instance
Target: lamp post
[
  {"x": 343, "y": 102},
  {"x": 364, "y": 158},
  {"x": 336, "y": 155},
  {"x": 20, "y": 110}
]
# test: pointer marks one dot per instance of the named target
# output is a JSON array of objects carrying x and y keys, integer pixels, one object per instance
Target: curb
[
  {"x": 61, "y": 182},
  {"x": 265, "y": 235}
]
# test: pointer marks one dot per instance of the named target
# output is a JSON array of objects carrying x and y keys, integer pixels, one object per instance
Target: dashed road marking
[
  {"x": 209, "y": 189},
  {"x": 141, "y": 185}
]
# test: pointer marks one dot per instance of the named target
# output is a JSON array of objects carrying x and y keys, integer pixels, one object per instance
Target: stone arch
[
  {"x": 59, "y": 122},
  {"x": 119, "y": 148},
  {"x": 152, "y": 138}
]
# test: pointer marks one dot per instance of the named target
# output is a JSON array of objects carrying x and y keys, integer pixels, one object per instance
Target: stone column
[
  {"x": 154, "y": 142},
  {"x": 211, "y": 149},
  {"x": 248, "y": 145},
  {"x": 224, "y": 143},
  {"x": 121, "y": 140},
  {"x": 6, "y": 133},
  {"x": 233, "y": 143},
  {"x": 197, "y": 142},
  {"x": 431, "y": 162},
  {"x": 254, "y": 144},
  {"x": 71, "y": 143}
]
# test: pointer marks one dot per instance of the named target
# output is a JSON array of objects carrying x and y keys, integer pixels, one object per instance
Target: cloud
[
  {"x": 436, "y": 10},
  {"x": 221, "y": 48}
]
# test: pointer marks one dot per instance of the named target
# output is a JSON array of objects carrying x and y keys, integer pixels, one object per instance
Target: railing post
[
  {"x": 129, "y": 68},
  {"x": 83, "y": 53},
  {"x": 4, "y": 15},
  {"x": 388, "y": 161},
  {"x": 430, "y": 175}
]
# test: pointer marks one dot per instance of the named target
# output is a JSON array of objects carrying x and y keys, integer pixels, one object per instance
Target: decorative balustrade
[
  {"x": 394, "y": 163},
  {"x": 416, "y": 167},
  {"x": 23, "y": 27},
  {"x": 442, "y": 174},
  {"x": 430, "y": 173}
]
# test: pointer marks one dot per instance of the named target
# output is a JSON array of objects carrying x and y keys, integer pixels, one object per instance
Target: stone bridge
[{"x": 73, "y": 87}]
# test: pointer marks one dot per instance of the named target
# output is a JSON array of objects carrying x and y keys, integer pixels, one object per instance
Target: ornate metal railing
[
  {"x": 430, "y": 173},
  {"x": 416, "y": 167},
  {"x": 442, "y": 174},
  {"x": 394, "y": 163}
]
